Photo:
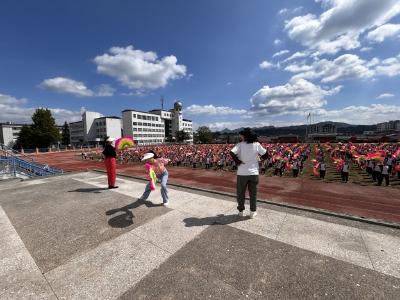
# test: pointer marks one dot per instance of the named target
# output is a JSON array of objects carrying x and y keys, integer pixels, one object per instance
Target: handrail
[
  {"x": 33, "y": 168},
  {"x": 14, "y": 152}
]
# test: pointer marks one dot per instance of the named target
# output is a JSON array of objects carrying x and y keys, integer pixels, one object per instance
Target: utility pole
[{"x": 162, "y": 102}]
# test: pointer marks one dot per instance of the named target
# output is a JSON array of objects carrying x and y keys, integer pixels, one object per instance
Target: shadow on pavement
[
  {"x": 217, "y": 220},
  {"x": 88, "y": 190},
  {"x": 126, "y": 219}
]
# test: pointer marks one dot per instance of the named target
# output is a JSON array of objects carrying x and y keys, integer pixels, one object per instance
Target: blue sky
[{"x": 232, "y": 63}]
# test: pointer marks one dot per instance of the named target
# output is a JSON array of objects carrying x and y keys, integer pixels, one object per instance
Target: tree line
[{"x": 43, "y": 132}]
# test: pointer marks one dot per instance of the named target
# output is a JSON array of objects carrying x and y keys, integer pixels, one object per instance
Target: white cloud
[
  {"x": 385, "y": 95},
  {"x": 66, "y": 85},
  {"x": 296, "y": 68},
  {"x": 277, "y": 42},
  {"x": 266, "y": 65},
  {"x": 213, "y": 110},
  {"x": 137, "y": 69},
  {"x": 294, "y": 97},
  {"x": 347, "y": 66},
  {"x": 382, "y": 32},
  {"x": 365, "y": 49},
  {"x": 229, "y": 83},
  {"x": 219, "y": 126},
  {"x": 10, "y": 100},
  {"x": 341, "y": 24},
  {"x": 389, "y": 67},
  {"x": 15, "y": 110},
  {"x": 105, "y": 90},
  {"x": 280, "y": 53},
  {"x": 297, "y": 55},
  {"x": 285, "y": 11},
  {"x": 370, "y": 114},
  {"x": 76, "y": 88}
]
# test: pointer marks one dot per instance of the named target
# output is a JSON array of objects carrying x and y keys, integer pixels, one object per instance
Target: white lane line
[
  {"x": 337, "y": 241},
  {"x": 113, "y": 267},
  {"x": 20, "y": 277}
]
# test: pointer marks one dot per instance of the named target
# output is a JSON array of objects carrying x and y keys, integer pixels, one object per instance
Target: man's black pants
[{"x": 249, "y": 182}]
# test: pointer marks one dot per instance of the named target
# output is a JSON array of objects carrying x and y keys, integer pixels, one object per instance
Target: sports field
[{"x": 357, "y": 198}]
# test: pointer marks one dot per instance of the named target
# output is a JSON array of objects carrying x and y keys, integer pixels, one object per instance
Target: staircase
[{"x": 17, "y": 165}]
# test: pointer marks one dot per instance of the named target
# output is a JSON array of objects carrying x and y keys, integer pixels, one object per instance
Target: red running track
[{"x": 370, "y": 202}]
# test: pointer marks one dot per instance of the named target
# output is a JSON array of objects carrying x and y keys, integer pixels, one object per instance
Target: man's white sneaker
[
  {"x": 253, "y": 214},
  {"x": 240, "y": 214},
  {"x": 166, "y": 203}
]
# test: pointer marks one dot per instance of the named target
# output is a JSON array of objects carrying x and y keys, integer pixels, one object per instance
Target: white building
[
  {"x": 93, "y": 128},
  {"x": 388, "y": 126},
  {"x": 146, "y": 127},
  {"x": 9, "y": 133},
  {"x": 156, "y": 126},
  {"x": 107, "y": 126}
]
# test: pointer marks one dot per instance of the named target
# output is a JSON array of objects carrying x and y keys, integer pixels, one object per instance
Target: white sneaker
[
  {"x": 253, "y": 214},
  {"x": 166, "y": 203},
  {"x": 240, "y": 214}
]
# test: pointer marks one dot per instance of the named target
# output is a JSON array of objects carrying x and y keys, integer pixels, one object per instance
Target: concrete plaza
[{"x": 68, "y": 237}]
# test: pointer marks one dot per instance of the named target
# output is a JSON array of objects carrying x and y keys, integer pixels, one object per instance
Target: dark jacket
[{"x": 109, "y": 151}]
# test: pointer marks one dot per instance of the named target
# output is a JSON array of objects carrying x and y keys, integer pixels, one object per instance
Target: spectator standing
[
  {"x": 378, "y": 173},
  {"x": 245, "y": 154},
  {"x": 322, "y": 169},
  {"x": 295, "y": 168},
  {"x": 385, "y": 174},
  {"x": 345, "y": 172}
]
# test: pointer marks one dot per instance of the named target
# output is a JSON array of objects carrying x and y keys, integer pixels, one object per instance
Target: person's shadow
[
  {"x": 217, "y": 220},
  {"x": 126, "y": 218},
  {"x": 88, "y": 190}
]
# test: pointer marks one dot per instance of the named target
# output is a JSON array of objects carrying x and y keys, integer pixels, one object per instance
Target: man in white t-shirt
[{"x": 245, "y": 154}]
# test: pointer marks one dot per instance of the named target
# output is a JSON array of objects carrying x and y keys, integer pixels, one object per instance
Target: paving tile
[
  {"x": 20, "y": 278},
  {"x": 226, "y": 263},
  {"x": 384, "y": 251},
  {"x": 169, "y": 231},
  {"x": 56, "y": 228},
  {"x": 108, "y": 270},
  {"x": 267, "y": 223},
  {"x": 334, "y": 240}
]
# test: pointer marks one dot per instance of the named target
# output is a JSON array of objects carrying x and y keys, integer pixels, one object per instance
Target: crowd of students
[
  {"x": 380, "y": 161},
  {"x": 282, "y": 157}
]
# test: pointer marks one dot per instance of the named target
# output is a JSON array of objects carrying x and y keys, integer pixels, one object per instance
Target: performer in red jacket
[{"x": 110, "y": 159}]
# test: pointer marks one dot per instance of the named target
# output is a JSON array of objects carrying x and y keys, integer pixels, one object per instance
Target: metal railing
[{"x": 12, "y": 164}]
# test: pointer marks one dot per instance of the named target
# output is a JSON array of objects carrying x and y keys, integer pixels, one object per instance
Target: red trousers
[{"x": 111, "y": 170}]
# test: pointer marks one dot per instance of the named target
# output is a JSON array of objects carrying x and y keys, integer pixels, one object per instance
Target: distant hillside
[{"x": 300, "y": 130}]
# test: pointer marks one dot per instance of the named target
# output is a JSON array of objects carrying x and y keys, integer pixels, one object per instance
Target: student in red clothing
[{"x": 110, "y": 155}]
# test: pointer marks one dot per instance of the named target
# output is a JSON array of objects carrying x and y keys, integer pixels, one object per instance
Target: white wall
[
  {"x": 7, "y": 135},
  {"x": 88, "y": 117},
  {"x": 113, "y": 128}
]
